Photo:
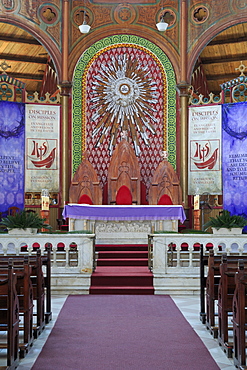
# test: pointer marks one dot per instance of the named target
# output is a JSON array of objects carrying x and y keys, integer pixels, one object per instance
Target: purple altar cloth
[{"x": 124, "y": 213}]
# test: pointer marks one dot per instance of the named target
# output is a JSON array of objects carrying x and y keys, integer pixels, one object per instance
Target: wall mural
[{"x": 124, "y": 86}]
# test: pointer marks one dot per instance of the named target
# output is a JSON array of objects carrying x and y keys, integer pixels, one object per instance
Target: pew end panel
[{"x": 9, "y": 316}]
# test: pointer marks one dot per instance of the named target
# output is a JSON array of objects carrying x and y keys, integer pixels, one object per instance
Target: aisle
[
  {"x": 123, "y": 332},
  {"x": 189, "y": 305}
]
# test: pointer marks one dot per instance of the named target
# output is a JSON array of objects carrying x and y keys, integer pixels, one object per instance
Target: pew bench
[
  {"x": 240, "y": 317},
  {"x": 41, "y": 286},
  {"x": 9, "y": 317},
  {"x": 209, "y": 288},
  {"x": 24, "y": 289},
  {"x": 209, "y": 291},
  {"x": 227, "y": 285},
  {"x": 212, "y": 285}
]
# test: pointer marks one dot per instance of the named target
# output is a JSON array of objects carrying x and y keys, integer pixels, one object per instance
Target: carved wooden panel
[
  {"x": 124, "y": 171},
  {"x": 165, "y": 181},
  {"x": 85, "y": 182}
]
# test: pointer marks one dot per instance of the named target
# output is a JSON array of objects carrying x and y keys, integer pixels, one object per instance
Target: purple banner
[
  {"x": 234, "y": 157},
  {"x": 12, "y": 166}
]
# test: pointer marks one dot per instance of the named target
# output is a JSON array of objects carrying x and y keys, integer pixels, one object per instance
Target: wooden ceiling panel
[
  {"x": 223, "y": 55},
  {"x": 28, "y": 58}
]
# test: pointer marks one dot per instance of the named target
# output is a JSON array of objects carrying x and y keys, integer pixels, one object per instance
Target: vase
[
  {"x": 225, "y": 231},
  {"x": 27, "y": 231}
]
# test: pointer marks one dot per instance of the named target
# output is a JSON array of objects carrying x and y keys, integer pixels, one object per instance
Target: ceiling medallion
[
  {"x": 200, "y": 14},
  {"x": 124, "y": 14},
  {"x": 168, "y": 16},
  {"x": 9, "y": 5},
  {"x": 48, "y": 14},
  {"x": 241, "y": 4},
  {"x": 123, "y": 98}
]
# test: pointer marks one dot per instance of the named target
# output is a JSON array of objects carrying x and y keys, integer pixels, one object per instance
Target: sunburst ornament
[{"x": 123, "y": 99}]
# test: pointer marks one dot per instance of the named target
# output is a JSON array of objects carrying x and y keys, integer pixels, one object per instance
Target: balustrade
[
  {"x": 174, "y": 258},
  {"x": 71, "y": 257}
]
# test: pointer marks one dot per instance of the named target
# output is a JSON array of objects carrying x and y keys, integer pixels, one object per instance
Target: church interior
[{"x": 99, "y": 102}]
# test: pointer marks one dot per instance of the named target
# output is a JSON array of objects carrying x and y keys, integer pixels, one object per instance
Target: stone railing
[
  {"x": 71, "y": 258},
  {"x": 175, "y": 258}
]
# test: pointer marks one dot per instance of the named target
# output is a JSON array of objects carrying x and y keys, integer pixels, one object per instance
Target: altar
[{"x": 123, "y": 223}]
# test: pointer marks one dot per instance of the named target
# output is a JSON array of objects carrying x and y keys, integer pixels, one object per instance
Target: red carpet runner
[
  {"x": 123, "y": 332},
  {"x": 122, "y": 269}
]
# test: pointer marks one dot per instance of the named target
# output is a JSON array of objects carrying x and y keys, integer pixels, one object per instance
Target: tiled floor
[
  {"x": 189, "y": 306},
  {"x": 28, "y": 361}
]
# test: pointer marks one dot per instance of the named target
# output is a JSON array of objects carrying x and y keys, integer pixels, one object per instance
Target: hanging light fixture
[
  {"x": 162, "y": 25},
  {"x": 84, "y": 27}
]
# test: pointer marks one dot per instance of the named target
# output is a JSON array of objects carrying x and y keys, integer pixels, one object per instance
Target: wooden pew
[
  {"x": 228, "y": 269},
  {"x": 46, "y": 261},
  {"x": 41, "y": 284},
  {"x": 212, "y": 284},
  {"x": 37, "y": 281},
  {"x": 9, "y": 316},
  {"x": 210, "y": 288},
  {"x": 203, "y": 278},
  {"x": 207, "y": 312},
  {"x": 45, "y": 282},
  {"x": 24, "y": 289},
  {"x": 239, "y": 308}
]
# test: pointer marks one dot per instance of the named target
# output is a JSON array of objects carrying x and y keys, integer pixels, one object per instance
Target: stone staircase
[{"x": 122, "y": 269}]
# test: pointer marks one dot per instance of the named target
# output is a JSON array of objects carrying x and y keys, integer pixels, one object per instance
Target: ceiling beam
[
  {"x": 216, "y": 60},
  {"x": 23, "y": 58},
  {"x": 227, "y": 40},
  {"x": 19, "y": 40},
  {"x": 221, "y": 77},
  {"x": 26, "y": 76}
]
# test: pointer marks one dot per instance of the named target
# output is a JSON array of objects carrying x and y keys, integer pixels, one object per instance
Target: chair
[
  {"x": 62, "y": 224},
  {"x": 124, "y": 176},
  {"x": 124, "y": 196},
  {"x": 165, "y": 188},
  {"x": 13, "y": 210},
  {"x": 85, "y": 199},
  {"x": 165, "y": 200},
  {"x": 85, "y": 186}
]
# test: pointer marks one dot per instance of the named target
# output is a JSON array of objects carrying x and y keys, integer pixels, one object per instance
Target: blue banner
[
  {"x": 234, "y": 157},
  {"x": 12, "y": 154}
]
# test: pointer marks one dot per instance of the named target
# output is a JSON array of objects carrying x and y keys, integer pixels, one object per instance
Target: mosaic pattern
[
  {"x": 163, "y": 110},
  {"x": 122, "y": 98}
]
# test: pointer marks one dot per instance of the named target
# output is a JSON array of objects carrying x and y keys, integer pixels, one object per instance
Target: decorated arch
[{"x": 124, "y": 83}]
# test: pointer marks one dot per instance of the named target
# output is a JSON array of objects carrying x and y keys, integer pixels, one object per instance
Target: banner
[
  {"x": 204, "y": 152},
  {"x": 12, "y": 141},
  {"x": 234, "y": 157},
  {"x": 42, "y": 147}
]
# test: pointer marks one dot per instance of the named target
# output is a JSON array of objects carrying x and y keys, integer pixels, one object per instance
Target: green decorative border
[{"x": 79, "y": 79}]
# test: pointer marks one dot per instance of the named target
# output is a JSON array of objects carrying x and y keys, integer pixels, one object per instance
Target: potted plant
[
  {"x": 225, "y": 223},
  {"x": 24, "y": 223}
]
